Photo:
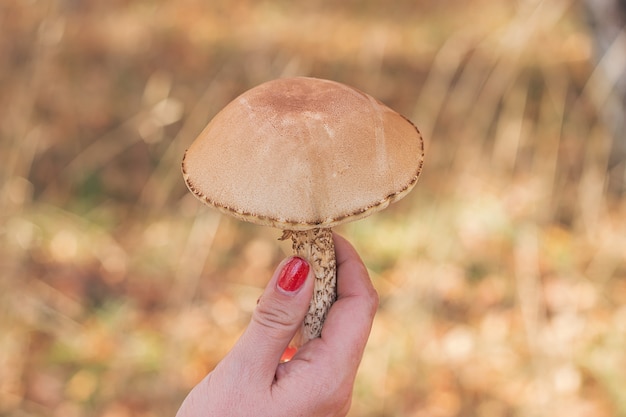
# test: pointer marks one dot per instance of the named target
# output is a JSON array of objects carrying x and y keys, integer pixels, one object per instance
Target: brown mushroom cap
[{"x": 302, "y": 153}]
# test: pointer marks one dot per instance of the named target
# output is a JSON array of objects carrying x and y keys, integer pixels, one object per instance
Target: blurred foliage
[{"x": 502, "y": 276}]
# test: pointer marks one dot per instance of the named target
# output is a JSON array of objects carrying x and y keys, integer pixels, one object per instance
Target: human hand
[{"x": 318, "y": 381}]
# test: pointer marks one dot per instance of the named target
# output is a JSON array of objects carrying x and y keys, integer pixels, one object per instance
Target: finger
[
  {"x": 275, "y": 320},
  {"x": 350, "y": 319}
]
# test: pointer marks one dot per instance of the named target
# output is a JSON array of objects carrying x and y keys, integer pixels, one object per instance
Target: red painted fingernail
[
  {"x": 293, "y": 275},
  {"x": 288, "y": 354}
]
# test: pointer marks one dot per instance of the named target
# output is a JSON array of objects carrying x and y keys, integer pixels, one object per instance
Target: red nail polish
[{"x": 293, "y": 275}]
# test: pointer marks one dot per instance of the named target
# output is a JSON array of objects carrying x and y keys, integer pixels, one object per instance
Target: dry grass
[{"x": 502, "y": 277}]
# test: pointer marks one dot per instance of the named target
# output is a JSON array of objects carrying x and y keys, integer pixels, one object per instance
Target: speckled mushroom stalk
[{"x": 316, "y": 246}]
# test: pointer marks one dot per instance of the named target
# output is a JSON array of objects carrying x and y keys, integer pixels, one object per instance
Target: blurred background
[{"x": 502, "y": 276}]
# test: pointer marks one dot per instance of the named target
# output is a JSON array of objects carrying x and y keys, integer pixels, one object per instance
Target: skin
[{"x": 318, "y": 381}]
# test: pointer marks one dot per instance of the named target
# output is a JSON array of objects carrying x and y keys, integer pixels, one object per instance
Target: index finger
[{"x": 350, "y": 319}]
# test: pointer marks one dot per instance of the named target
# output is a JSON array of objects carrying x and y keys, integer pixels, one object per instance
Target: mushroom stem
[{"x": 317, "y": 247}]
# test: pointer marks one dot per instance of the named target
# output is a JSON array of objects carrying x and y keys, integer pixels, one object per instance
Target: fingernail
[{"x": 293, "y": 275}]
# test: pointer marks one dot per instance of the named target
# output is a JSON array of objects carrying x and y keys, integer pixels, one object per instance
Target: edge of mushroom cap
[{"x": 286, "y": 224}]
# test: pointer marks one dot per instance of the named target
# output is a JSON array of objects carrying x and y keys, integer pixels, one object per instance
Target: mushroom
[{"x": 304, "y": 155}]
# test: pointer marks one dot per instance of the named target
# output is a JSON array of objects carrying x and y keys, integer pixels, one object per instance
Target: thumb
[{"x": 276, "y": 319}]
